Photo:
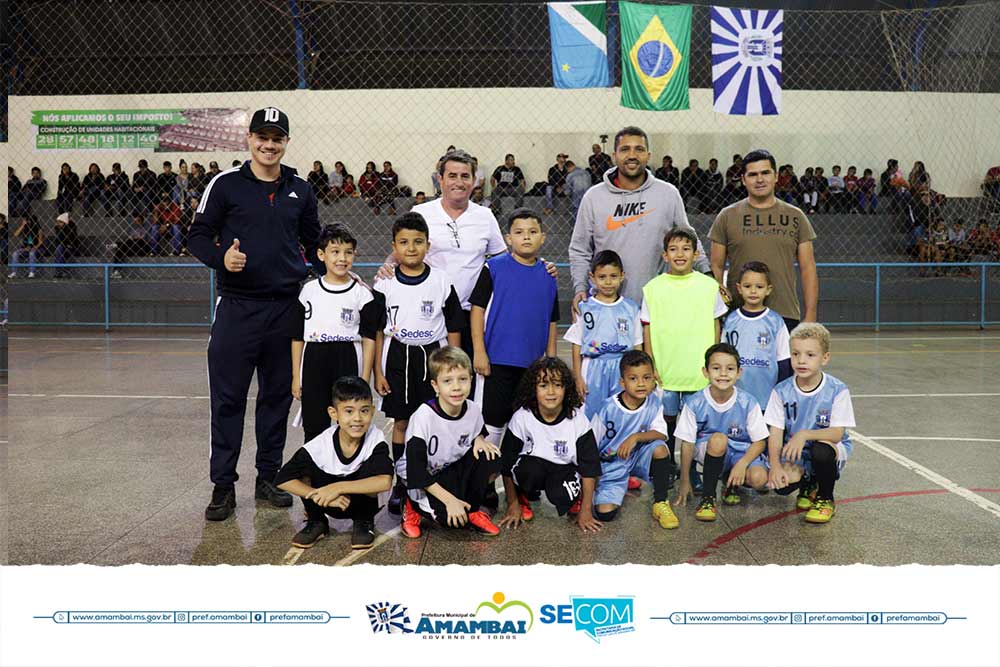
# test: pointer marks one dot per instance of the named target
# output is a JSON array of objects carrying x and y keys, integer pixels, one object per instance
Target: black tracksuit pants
[{"x": 250, "y": 335}]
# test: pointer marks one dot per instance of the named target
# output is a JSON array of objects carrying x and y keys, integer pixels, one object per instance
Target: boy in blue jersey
[
  {"x": 515, "y": 308},
  {"x": 809, "y": 415},
  {"x": 608, "y": 326},
  {"x": 631, "y": 433},
  {"x": 759, "y": 334},
  {"x": 722, "y": 428}
]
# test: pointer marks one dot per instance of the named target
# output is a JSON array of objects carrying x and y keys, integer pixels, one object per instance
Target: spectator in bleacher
[
  {"x": 180, "y": 193},
  {"x": 983, "y": 241},
  {"x": 337, "y": 180},
  {"x": 835, "y": 191},
  {"x": 787, "y": 185},
  {"x": 734, "y": 190},
  {"x": 919, "y": 179},
  {"x": 213, "y": 170},
  {"x": 31, "y": 238},
  {"x": 896, "y": 187},
  {"x": 477, "y": 196},
  {"x": 116, "y": 191},
  {"x": 65, "y": 242},
  {"x": 479, "y": 178},
  {"x": 13, "y": 190},
  {"x": 599, "y": 162},
  {"x": 885, "y": 189},
  {"x": 822, "y": 189},
  {"x": 436, "y": 179},
  {"x": 958, "y": 242},
  {"x": 991, "y": 184},
  {"x": 577, "y": 183},
  {"x": 851, "y": 189},
  {"x": 867, "y": 199},
  {"x": 350, "y": 189},
  {"x": 388, "y": 187},
  {"x": 32, "y": 190},
  {"x": 713, "y": 187},
  {"x": 197, "y": 182},
  {"x": 167, "y": 223},
  {"x": 809, "y": 191},
  {"x": 320, "y": 182},
  {"x": 937, "y": 244},
  {"x": 143, "y": 192},
  {"x": 93, "y": 189},
  {"x": 368, "y": 186},
  {"x": 556, "y": 182},
  {"x": 692, "y": 185},
  {"x": 668, "y": 173},
  {"x": 69, "y": 188},
  {"x": 419, "y": 198},
  {"x": 236, "y": 164},
  {"x": 166, "y": 181},
  {"x": 507, "y": 181}
]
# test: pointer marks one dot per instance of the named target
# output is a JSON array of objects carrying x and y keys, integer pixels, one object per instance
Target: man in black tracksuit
[{"x": 249, "y": 227}]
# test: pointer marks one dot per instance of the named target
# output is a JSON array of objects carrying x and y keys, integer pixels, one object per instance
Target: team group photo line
[{"x": 455, "y": 341}]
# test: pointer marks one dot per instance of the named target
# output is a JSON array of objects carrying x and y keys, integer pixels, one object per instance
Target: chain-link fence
[{"x": 366, "y": 84}]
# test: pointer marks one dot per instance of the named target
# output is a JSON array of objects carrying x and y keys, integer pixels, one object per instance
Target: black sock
[
  {"x": 671, "y": 424},
  {"x": 790, "y": 489},
  {"x": 659, "y": 471},
  {"x": 710, "y": 474},
  {"x": 824, "y": 460}
]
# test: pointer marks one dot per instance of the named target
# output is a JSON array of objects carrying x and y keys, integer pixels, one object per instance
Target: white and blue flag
[
  {"x": 746, "y": 60},
  {"x": 579, "y": 44}
]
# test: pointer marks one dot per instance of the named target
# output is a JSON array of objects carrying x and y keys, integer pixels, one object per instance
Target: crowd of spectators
[{"x": 162, "y": 205}]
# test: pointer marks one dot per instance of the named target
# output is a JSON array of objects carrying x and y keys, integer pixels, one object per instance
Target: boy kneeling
[{"x": 340, "y": 472}]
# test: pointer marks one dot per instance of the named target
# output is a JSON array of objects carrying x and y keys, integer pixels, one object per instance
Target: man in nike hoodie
[{"x": 629, "y": 212}]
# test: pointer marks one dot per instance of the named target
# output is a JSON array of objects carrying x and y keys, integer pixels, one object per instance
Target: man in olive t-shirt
[{"x": 762, "y": 228}]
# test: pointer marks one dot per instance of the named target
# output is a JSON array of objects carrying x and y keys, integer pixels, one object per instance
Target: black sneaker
[
  {"x": 314, "y": 531},
  {"x": 265, "y": 490},
  {"x": 363, "y": 536},
  {"x": 395, "y": 505},
  {"x": 223, "y": 503}
]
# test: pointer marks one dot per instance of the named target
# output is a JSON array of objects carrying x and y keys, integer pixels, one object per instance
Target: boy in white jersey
[
  {"x": 448, "y": 464},
  {"x": 549, "y": 446},
  {"x": 341, "y": 472},
  {"x": 339, "y": 320},
  {"x": 631, "y": 433},
  {"x": 809, "y": 415},
  {"x": 607, "y": 327},
  {"x": 723, "y": 429},
  {"x": 418, "y": 311},
  {"x": 759, "y": 334}
]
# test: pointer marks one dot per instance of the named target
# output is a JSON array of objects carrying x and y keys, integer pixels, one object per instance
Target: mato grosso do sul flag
[
  {"x": 746, "y": 61},
  {"x": 579, "y": 32},
  {"x": 656, "y": 48}
]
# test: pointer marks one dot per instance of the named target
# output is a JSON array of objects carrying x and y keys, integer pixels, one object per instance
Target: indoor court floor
[{"x": 107, "y": 463}]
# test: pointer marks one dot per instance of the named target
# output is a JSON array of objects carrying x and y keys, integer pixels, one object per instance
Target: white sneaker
[
  {"x": 12, "y": 274},
  {"x": 31, "y": 274}
]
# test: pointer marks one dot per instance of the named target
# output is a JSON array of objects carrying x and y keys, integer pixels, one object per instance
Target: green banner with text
[{"x": 161, "y": 130}]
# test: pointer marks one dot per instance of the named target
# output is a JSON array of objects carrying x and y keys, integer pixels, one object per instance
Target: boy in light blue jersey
[
  {"x": 809, "y": 415},
  {"x": 630, "y": 431},
  {"x": 759, "y": 334},
  {"x": 607, "y": 327},
  {"x": 722, "y": 428}
]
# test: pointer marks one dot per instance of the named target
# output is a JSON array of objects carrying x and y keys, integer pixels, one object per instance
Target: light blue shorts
[
  {"x": 602, "y": 375},
  {"x": 673, "y": 401},
  {"x": 613, "y": 482}
]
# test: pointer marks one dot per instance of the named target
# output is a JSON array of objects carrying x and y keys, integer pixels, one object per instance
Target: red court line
[{"x": 714, "y": 545}]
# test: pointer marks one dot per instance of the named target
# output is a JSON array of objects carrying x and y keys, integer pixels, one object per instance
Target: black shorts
[
  {"x": 405, "y": 368},
  {"x": 497, "y": 392},
  {"x": 559, "y": 481},
  {"x": 322, "y": 365}
]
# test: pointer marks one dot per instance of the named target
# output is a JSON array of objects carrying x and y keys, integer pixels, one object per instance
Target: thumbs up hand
[{"x": 234, "y": 259}]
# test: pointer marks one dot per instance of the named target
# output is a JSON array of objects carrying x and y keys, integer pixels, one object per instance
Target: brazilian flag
[{"x": 656, "y": 49}]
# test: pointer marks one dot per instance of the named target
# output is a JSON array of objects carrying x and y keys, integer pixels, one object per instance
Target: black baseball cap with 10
[{"x": 269, "y": 118}]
